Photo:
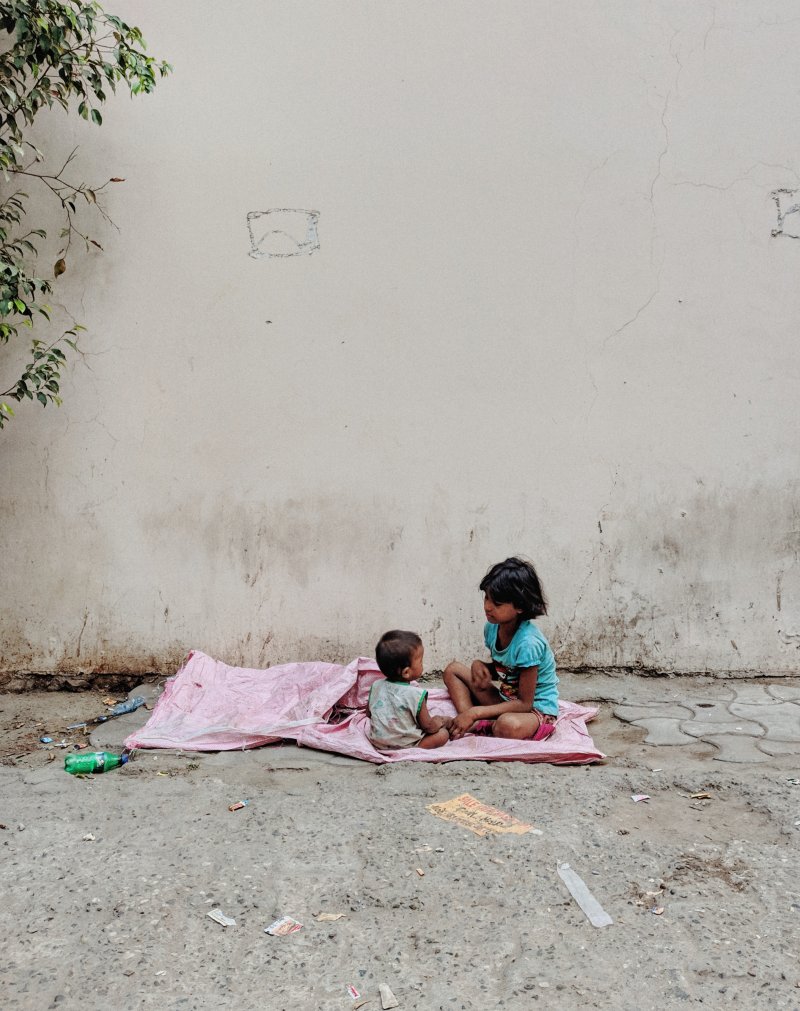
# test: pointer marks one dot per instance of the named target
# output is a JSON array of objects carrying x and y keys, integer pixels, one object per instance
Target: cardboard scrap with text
[{"x": 479, "y": 818}]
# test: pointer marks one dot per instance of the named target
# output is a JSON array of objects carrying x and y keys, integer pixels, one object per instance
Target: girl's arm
[
  {"x": 482, "y": 673},
  {"x": 522, "y": 704}
]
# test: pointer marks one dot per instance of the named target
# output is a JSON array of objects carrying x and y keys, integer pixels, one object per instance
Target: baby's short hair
[{"x": 395, "y": 651}]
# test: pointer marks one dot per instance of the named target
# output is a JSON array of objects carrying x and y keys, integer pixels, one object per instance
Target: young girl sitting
[
  {"x": 524, "y": 704},
  {"x": 398, "y": 712}
]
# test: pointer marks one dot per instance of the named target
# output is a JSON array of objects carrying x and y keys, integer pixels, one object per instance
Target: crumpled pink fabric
[{"x": 210, "y": 706}]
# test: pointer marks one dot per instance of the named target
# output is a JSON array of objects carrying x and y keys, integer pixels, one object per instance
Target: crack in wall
[{"x": 786, "y": 209}]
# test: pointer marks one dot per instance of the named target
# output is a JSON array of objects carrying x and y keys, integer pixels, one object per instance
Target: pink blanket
[{"x": 209, "y": 706}]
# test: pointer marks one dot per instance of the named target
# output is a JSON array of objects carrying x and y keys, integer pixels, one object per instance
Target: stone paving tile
[
  {"x": 713, "y": 712},
  {"x": 786, "y": 693},
  {"x": 733, "y": 748},
  {"x": 747, "y": 728},
  {"x": 754, "y": 695},
  {"x": 663, "y": 731},
  {"x": 781, "y": 720},
  {"x": 779, "y": 748},
  {"x": 645, "y": 711}
]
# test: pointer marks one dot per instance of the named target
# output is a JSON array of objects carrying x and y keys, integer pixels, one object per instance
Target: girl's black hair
[
  {"x": 514, "y": 581},
  {"x": 395, "y": 651}
]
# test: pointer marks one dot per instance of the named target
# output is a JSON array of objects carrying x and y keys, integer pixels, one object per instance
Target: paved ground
[
  {"x": 106, "y": 882},
  {"x": 737, "y": 721}
]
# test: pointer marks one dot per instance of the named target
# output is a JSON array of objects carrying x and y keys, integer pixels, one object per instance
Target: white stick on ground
[{"x": 598, "y": 917}]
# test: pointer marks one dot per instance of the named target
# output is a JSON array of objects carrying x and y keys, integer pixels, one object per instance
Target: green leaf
[{"x": 42, "y": 399}]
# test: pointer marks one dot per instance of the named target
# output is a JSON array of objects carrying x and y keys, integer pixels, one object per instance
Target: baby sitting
[{"x": 398, "y": 711}]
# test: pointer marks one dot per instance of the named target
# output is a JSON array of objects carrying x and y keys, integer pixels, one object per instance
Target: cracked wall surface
[{"x": 553, "y": 313}]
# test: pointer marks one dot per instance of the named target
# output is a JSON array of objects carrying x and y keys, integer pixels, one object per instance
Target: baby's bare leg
[{"x": 437, "y": 740}]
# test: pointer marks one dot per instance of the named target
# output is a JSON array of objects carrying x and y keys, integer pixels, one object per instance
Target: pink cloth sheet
[{"x": 209, "y": 706}]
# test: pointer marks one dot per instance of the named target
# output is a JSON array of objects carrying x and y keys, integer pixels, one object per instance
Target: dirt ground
[{"x": 107, "y": 880}]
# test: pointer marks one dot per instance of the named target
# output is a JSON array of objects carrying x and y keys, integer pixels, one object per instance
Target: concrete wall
[{"x": 548, "y": 314}]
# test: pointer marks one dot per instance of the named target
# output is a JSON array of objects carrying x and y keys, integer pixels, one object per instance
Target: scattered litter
[
  {"x": 162, "y": 773},
  {"x": 657, "y": 770},
  {"x": 88, "y": 837},
  {"x": 423, "y": 849},
  {"x": 238, "y": 805},
  {"x": 793, "y": 782},
  {"x": 420, "y": 871},
  {"x": 129, "y": 706},
  {"x": 108, "y": 701},
  {"x": 352, "y": 991},
  {"x": 496, "y": 860},
  {"x": 46, "y": 740},
  {"x": 638, "y": 798},
  {"x": 20, "y": 827},
  {"x": 439, "y": 849},
  {"x": 700, "y": 796},
  {"x": 361, "y": 1003},
  {"x": 219, "y": 917},
  {"x": 576, "y": 886},
  {"x": 328, "y": 917},
  {"x": 657, "y": 910},
  {"x": 388, "y": 999},
  {"x": 94, "y": 763},
  {"x": 479, "y": 818},
  {"x": 162, "y": 972},
  {"x": 285, "y": 925}
]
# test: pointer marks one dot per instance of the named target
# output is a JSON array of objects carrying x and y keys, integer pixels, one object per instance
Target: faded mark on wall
[
  {"x": 282, "y": 232},
  {"x": 788, "y": 213}
]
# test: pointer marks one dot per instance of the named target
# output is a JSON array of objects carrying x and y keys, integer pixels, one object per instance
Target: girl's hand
[
  {"x": 462, "y": 723},
  {"x": 481, "y": 675}
]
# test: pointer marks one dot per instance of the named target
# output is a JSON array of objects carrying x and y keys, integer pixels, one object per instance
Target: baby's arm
[
  {"x": 437, "y": 728},
  {"x": 431, "y": 724}
]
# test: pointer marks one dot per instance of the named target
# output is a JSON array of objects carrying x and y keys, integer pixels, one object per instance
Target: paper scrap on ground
[
  {"x": 285, "y": 925},
  {"x": 388, "y": 999},
  {"x": 576, "y": 886},
  {"x": 328, "y": 917},
  {"x": 479, "y": 818},
  {"x": 219, "y": 917},
  {"x": 637, "y": 798}
]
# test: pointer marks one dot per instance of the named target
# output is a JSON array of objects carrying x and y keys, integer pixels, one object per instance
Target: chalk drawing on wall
[
  {"x": 282, "y": 231},
  {"x": 788, "y": 207}
]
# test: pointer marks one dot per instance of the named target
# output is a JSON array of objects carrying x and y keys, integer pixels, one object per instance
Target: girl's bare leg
[
  {"x": 518, "y": 726},
  {"x": 463, "y": 694}
]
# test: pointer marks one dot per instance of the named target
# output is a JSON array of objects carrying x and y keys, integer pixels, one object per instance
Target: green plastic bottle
[{"x": 94, "y": 762}]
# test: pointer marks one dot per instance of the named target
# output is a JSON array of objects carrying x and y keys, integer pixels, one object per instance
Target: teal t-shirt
[{"x": 528, "y": 648}]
